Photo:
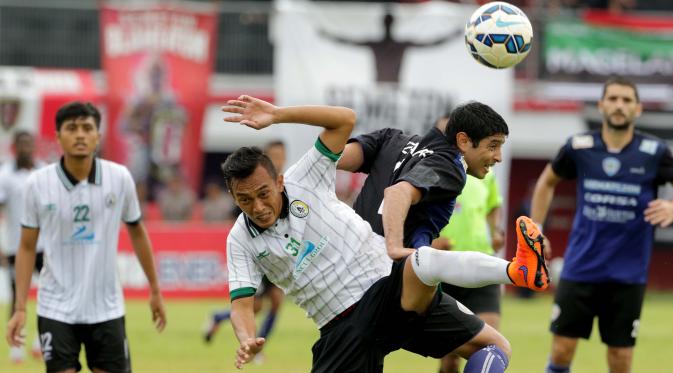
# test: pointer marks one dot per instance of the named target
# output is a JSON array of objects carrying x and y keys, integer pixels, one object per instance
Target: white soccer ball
[{"x": 498, "y": 35}]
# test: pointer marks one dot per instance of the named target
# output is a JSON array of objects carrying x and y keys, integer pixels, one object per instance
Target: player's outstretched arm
[
  {"x": 338, "y": 122},
  {"x": 25, "y": 262},
  {"x": 143, "y": 249},
  {"x": 243, "y": 322},
  {"x": 541, "y": 200},
  {"x": 397, "y": 199}
]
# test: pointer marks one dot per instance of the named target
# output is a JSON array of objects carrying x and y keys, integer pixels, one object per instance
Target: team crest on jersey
[
  {"x": 611, "y": 166},
  {"x": 299, "y": 209},
  {"x": 110, "y": 200}
]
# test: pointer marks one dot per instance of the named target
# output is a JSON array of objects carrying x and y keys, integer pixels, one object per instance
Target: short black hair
[
  {"x": 77, "y": 109},
  {"x": 477, "y": 120},
  {"x": 620, "y": 80},
  {"x": 243, "y": 162}
]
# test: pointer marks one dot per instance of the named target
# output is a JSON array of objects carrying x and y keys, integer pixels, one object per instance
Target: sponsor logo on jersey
[
  {"x": 611, "y": 166},
  {"x": 582, "y": 142},
  {"x": 299, "y": 209},
  {"x": 81, "y": 234},
  {"x": 637, "y": 170},
  {"x": 308, "y": 253},
  {"x": 648, "y": 146}
]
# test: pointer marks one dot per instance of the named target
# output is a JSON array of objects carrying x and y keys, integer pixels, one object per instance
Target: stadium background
[{"x": 294, "y": 52}]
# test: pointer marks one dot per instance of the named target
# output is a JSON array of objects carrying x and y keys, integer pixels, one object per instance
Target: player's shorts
[
  {"x": 264, "y": 287},
  {"x": 478, "y": 300},
  {"x": 617, "y": 307},
  {"x": 359, "y": 338},
  {"x": 105, "y": 345}
]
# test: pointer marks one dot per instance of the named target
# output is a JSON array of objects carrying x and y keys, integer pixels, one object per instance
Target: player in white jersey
[
  {"x": 75, "y": 206},
  {"x": 322, "y": 254},
  {"x": 13, "y": 176}
]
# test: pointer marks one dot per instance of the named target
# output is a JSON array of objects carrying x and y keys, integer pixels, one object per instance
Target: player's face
[
  {"x": 619, "y": 107},
  {"x": 485, "y": 155},
  {"x": 24, "y": 146},
  {"x": 259, "y": 196},
  {"x": 78, "y": 137}
]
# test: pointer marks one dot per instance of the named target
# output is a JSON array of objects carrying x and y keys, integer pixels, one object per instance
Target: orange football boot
[{"x": 528, "y": 268}]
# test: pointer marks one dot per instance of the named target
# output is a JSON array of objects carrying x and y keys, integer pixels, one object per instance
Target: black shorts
[
  {"x": 39, "y": 260},
  {"x": 617, "y": 307},
  {"x": 105, "y": 344},
  {"x": 378, "y": 325},
  {"x": 478, "y": 300}
]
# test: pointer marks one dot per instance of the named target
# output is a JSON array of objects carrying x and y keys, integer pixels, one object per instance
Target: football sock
[
  {"x": 267, "y": 325},
  {"x": 489, "y": 359},
  {"x": 218, "y": 317},
  {"x": 466, "y": 269},
  {"x": 553, "y": 368}
]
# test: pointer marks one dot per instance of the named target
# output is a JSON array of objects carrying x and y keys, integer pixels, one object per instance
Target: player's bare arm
[
  {"x": 143, "y": 249},
  {"x": 541, "y": 200},
  {"x": 397, "y": 199},
  {"x": 243, "y": 322},
  {"x": 25, "y": 262},
  {"x": 659, "y": 212},
  {"x": 352, "y": 157},
  {"x": 338, "y": 122}
]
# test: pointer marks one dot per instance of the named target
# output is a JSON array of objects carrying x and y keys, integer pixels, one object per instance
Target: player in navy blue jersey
[
  {"x": 410, "y": 193},
  {"x": 618, "y": 171}
]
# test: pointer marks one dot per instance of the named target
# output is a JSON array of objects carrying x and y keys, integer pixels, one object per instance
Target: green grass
[{"x": 525, "y": 323}]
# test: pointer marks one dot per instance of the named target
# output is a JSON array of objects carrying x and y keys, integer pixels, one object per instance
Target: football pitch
[{"x": 180, "y": 348}]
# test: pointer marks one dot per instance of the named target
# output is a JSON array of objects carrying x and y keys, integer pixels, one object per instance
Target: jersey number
[{"x": 81, "y": 213}]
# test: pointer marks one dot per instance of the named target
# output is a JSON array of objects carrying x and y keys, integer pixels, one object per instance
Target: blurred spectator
[
  {"x": 217, "y": 205},
  {"x": 176, "y": 200},
  {"x": 275, "y": 150}
]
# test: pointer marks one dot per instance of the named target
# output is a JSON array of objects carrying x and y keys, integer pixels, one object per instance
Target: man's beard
[{"x": 618, "y": 127}]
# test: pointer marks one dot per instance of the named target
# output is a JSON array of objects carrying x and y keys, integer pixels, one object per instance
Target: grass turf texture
[{"x": 525, "y": 323}]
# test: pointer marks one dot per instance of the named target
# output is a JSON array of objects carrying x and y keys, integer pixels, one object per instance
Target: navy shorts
[{"x": 359, "y": 339}]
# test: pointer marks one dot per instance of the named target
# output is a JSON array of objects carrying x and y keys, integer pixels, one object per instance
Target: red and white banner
[
  {"x": 158, "y": 60},
  {"x": 190, "y": 260}
]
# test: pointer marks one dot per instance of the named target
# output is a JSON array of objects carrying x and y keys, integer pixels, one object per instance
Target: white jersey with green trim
[
  {"x": 79, "y": 227},
  {"x": 320, "y": 252}
]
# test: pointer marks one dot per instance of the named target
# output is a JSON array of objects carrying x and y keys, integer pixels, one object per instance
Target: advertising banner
[
  {"x": 190, "y": 260},
  {"x": 598, "y": 45},
  {"x": 157, "y": 61}
]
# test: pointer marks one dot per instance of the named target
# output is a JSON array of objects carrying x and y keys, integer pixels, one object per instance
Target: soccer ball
[{"x": 498, "y": 35}]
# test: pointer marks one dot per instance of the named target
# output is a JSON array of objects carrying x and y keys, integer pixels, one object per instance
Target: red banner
[
  {"x": 191, "y": 260},
  {"x": 158, "y": 60}
]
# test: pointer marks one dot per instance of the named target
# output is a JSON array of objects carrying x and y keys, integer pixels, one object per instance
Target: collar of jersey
[
  {"x": 69, "y": 181},
  {"x": 256, "y": 230}
]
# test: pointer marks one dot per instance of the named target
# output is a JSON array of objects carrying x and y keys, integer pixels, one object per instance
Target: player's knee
[
  {"x": 499, "y": 340},
  {"x": 619, "y": 356},
  {"x": 562, "y": 353}
]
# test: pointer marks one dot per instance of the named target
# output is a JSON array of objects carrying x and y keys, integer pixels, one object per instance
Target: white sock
[{"x": 466, "y": 269}]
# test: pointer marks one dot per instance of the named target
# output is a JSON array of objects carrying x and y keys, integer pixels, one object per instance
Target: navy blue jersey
[
  {"x": 610, "y": 240},
  {"x": 427, "y": 162}
]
